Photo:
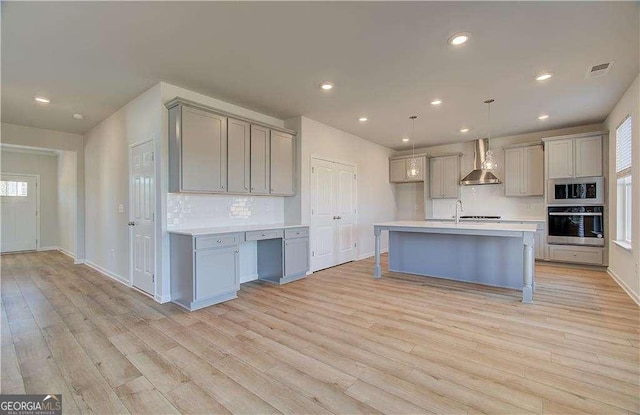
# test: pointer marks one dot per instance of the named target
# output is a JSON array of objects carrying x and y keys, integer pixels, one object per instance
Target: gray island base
[{"x": 496, "y": 254}]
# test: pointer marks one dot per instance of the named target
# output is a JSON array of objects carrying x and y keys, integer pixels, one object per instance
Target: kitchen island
[{"x": 496, "y": 254}]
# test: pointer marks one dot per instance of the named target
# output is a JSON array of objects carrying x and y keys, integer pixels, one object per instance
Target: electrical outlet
[{"x": 120, "y": 208}]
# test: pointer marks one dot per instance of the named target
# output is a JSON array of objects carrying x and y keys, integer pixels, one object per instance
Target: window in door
[
  {"x": 11, "y": 188},
  {"x": 623, "y": 189}
]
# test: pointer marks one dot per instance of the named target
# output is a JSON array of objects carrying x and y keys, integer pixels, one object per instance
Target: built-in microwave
[{"x": 577, "y": 191}]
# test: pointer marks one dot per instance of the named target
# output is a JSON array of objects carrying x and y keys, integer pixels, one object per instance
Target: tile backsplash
[
  {"x": 198, "y": 211},
  {"x": 490, "y": 200}
]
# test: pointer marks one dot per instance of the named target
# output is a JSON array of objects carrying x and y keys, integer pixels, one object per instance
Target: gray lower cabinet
[
  {"x": 205, "y": 270},
  {"x": 217, "y": 272},
  {"x": 296, "y": 257},
  {"x": 284, "y": 260}
]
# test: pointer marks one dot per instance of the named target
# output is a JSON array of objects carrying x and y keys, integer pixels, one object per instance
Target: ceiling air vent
[{"x": 599, "y": 70}]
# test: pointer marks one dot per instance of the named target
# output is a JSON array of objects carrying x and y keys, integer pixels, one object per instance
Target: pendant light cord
[{"x": 413, "y": 143}]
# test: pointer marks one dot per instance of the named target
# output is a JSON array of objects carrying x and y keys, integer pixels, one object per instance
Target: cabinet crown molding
[
  {"x": 178, "y": 101},
  {"x": 580, "y": 135},
  {"x": 530, "y": 144}
]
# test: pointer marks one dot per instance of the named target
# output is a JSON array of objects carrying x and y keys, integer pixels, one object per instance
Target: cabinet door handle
[
  {"x": 237, "y": 251},
  {"x": 219, "y": 241},
  {"x": 264, "y": 234},
  {"x": 246, "y": 188},
  {"x": 222, "y": 186},
  {"x": 253, "y": 188}
]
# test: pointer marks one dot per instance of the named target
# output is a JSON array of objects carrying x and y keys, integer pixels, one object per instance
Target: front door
[
  {"x": 18, "y": 214},
  {"x": 333, "y": 213},
  {"x": 142, "y": 216}
]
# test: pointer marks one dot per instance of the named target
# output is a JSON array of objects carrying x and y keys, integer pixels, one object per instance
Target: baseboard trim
[
  {"x": 48, "y": 248},
  {"x": 635, "y": 297},
  {"x": 370, "y": 254},
  {"x": 162, "y": 298},
  {"x": 67, "y": 253},
  {"x": 107, "y": 273},
  {"x": 248, "y": 278}
]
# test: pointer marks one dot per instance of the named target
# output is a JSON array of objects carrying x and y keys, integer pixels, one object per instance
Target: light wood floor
[{"x": 336, "y": 342}]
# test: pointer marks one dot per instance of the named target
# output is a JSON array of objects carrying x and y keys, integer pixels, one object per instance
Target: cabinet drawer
[
  {"x": 217, "y": 241},
  {"x": 260, "y": 235},
  {"x": 296, "y": 233},
  {"x": 585, "y": 255}
]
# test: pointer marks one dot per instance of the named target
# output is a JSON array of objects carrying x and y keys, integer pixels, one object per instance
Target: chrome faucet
[{"x": 461, "y": 210}]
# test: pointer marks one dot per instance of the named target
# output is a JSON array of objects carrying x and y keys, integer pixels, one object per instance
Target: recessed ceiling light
[
  {"x": 464, "y": 130},
  {"x": 42, "y": 100},
  {"x": 543, "y": 117},
  {"x": 78, "y": 116},
  {"x": 326, "y": 86},
  {"x": 405, "y": 139},
  {"x": 544, "y": 76},
  {"x": 363, "y": 119},
  {"x": 436, "y": 102},
  {"x": 459, "y": 39}
]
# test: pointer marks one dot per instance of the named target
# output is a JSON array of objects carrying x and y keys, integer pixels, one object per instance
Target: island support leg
[
  {"x": 376, "y": 267},
  {"x": 527, "y": 288}
]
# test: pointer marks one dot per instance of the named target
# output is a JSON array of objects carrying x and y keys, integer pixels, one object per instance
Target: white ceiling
[{"x": 387, "y": 60}]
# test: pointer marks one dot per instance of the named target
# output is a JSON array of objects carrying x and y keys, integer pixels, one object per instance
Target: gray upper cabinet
[
  {"x": 198, "y": 151},
  {"x": 260, "y": 159},
  {"x": 213, "y": 152},
  {"x": 399, "y": 167},
  {"x": 238, "y": 133},
  {"x": 572, "y": 156},
  {"x": 282, "y": 163},
  {"x": 444, "y": 177},
  {"x": 524, "y": 171}
]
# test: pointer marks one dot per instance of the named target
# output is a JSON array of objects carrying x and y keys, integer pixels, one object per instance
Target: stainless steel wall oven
[{"x": 576, "y": 225}]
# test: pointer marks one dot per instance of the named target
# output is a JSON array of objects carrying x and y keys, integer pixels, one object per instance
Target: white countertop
[
  {"x": 232, "y": 229},
  {"x": 526, "y": 220},
  {"x": 428, "y": 226}
]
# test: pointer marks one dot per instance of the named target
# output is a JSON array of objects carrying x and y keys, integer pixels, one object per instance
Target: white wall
[
  {"x": 376, "y": 201},
  {"x": 49, "y": 139},
  {"x": 106, "y": 153},
  {"x": 45, "y": 165},
  {"x": 486, "y": 199},
  {"x": 67, "y": 202},
  {"x": 623, "y": 264}
]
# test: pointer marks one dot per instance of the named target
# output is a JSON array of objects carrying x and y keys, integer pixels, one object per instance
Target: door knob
[{"x": 132, "y": 224}]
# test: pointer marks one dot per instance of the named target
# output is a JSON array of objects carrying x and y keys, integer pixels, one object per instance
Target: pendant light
[
  {"x": 489, "y": 162},
  {"x": 413, "y": 169}
]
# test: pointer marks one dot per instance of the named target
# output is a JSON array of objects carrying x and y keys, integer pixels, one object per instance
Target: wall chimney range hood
[{"x": 479, "y": 176}]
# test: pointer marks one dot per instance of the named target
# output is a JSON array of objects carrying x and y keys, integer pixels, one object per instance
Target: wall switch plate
[{"x": 120, "y": 208}]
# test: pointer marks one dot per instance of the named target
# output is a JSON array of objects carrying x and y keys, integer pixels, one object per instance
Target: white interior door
[
  {"x": 333, "y": 214},
  {"x": 142, "y": 216},
  {"x": 19, "y": 212}
]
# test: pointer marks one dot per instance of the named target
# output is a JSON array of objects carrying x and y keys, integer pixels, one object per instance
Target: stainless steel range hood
[{"x": 479, "y": 176}]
